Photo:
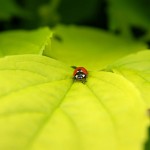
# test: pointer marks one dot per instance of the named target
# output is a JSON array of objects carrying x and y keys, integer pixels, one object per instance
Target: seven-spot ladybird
[{"x": 80, "y": 74}]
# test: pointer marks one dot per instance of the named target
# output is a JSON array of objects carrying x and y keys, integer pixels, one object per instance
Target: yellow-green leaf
[
  {"x": 89, "y": 47},
  {"x": 41, "y": 108},
  {"x": 136, "y": 68},
  {"x": 24, "y": 42}
]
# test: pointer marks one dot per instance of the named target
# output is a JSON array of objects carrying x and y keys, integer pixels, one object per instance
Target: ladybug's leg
[
  {"x": 74, "y": 79},
  {"x": 84, "y": 80}
]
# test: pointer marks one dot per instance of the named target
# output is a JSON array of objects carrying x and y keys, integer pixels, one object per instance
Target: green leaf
[
  {"x": 48, "y": 13},
  {"x": 89, "y": 47},
  {"x": 24, "y": 42},
  {"x": 72, "y": 11},
  {"x": 124, "y": 14},
  {"x": 147, "y": 144},
  {"x": 8, "y": 9},
  {"x": 136, "y": 68},
  {"x": 41, "y": 108}
]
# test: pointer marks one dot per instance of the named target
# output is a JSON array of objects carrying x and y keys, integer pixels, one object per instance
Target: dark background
[{"x": 30, "y": 14}]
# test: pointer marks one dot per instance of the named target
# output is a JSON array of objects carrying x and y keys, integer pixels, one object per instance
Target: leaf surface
[
  {"x": 8, "y": 9},
  {"x": 41, "y": 108},
  {"x": 125, "y": 14},
  {"x": 136, "y": 68},
  {"x": 89, "y": 47},
  {"x": 24, "y": 42}
]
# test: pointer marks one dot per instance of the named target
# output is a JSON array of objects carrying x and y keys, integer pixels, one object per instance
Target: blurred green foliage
[
  {"x": 129, "y": 17},
  {"x": 46, "y": 12},
  {"x": 8, "y": 9},
  {"x": 147, "y": 145},
  {"x": 124, "y": 15}
]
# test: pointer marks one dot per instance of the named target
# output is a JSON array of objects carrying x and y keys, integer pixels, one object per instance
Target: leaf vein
[{"x": 46, "y": 119}]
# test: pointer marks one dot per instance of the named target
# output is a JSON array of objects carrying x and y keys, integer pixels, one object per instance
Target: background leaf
[
  {"x": 136, "y": 68},
  {"x": 72, "y": 11},
  {"x": 24, "y": 42},
  {"x": 89, "y": 47},
  {"x": 42, "y": 108},
  {"x": 125, "y": 14},
  {"x": 8, "y": 9}
]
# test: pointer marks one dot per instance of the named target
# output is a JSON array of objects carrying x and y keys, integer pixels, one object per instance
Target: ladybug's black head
[{"x": 80, "y": 76}]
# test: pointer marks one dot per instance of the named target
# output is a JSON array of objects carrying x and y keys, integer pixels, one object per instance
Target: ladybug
[{"x": 80, "y": 74}]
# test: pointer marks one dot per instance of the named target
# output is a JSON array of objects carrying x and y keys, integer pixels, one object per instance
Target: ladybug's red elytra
[{"x": 80, "y": 74}]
